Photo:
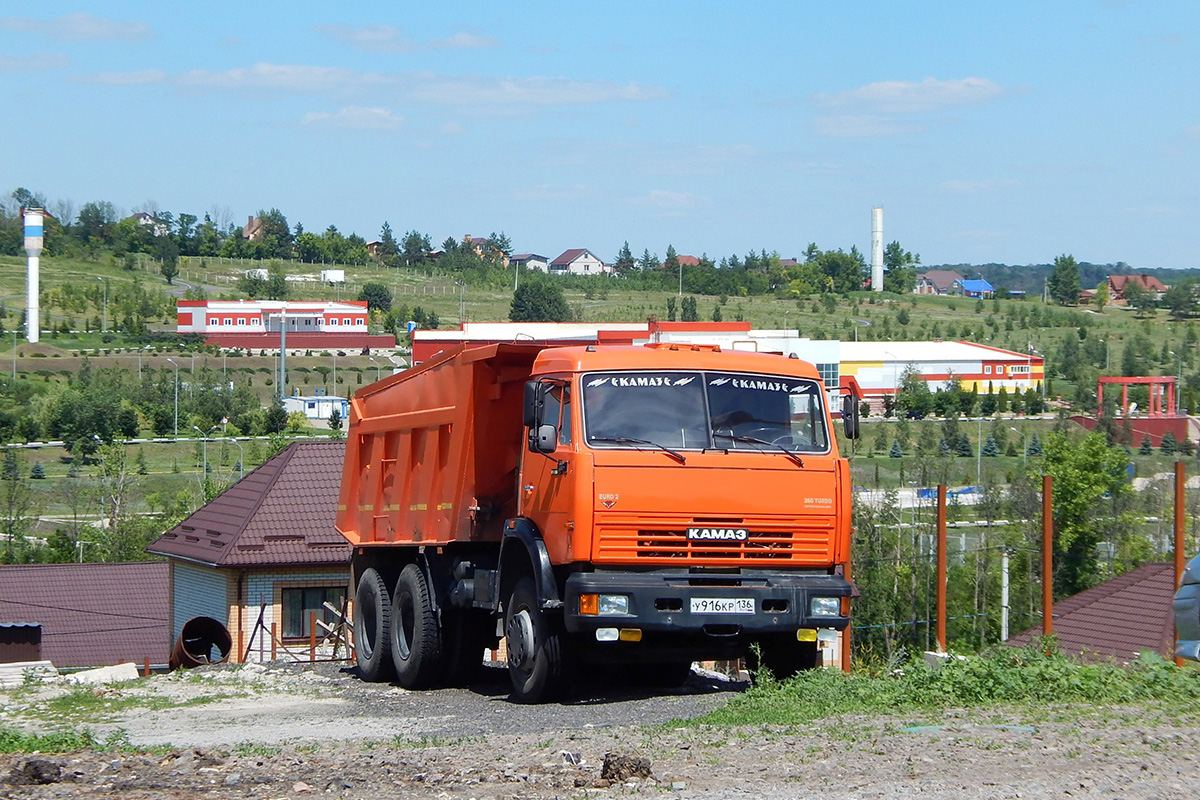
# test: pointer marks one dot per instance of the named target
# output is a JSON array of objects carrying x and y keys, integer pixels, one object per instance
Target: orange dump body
[{"x": 432, "y": 453}]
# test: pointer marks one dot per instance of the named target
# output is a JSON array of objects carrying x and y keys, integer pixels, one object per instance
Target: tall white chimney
[
  {"x": 33, "y": 252},
  {"x": 877, "y": 249}
]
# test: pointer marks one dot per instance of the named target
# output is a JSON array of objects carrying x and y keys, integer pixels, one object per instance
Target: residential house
[
  {"x": 974, "y": 288},
  {"x": 91, "y": 615},
  {"x": 151, "y": 222},
  {"x": 938, "y": 281},
  {"x": 530, "y": 261},
  {"x": 1117, "y": 619},
  {"x": 484, "y": 248},
  {"x": 264, "y": 550},
  {"x": 1118, "y": 283},
  {"x": 253, "y": 229},
  {"x": 579, "y": 261}
]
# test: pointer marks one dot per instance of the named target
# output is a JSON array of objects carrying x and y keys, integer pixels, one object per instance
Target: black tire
[
  {"x": 416, "y": 642},
  {"x": 536, "y": 652},
  {"x": 372, "y": 626},
  {"x": 783, "y": 656}
]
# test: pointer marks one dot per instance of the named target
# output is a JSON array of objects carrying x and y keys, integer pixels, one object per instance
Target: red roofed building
[
  {"x": 265, "y": 546},
  {"x": 257, "y": 324},
  {"x": 1117, "y": 284},
  {"x": 91, "y": 615}
]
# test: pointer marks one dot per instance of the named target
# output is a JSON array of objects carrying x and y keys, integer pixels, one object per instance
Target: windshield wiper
[
  {"x": 753, "y": 440},
  {"x": 627, "y": 440}
]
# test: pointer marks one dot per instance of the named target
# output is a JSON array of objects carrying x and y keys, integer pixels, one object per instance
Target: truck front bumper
[{"x": 754, "y": 603}]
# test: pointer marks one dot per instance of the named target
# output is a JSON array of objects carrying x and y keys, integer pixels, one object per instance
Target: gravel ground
[{"x": 284, "y": 732}]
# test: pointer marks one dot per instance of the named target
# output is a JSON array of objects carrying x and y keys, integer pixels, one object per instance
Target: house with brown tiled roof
[
  {"x": 1118, "y": 283},
  {"x": 265, "y": 548},
  {"x": 1117, "y": 619},
  {"x": 91, "y": 615},
  {"x": 938, "y": 281},
  {"x": 578, "y": 261}
]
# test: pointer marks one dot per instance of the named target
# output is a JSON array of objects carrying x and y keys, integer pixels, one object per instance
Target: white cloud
[
  {"x": 79, "y": 27},
  {"x": 134, "y": 78},
  {"x": 424, "y": 87},
  {"x": 34, "y": 63},
  {"x": 389, "y": 39},
  {"x": 281, "y": 77},
  {"x": 355, "y": 118},
  {"x": 887, "y": 107},
  {"x": 906, "y": 97},
  {"x": 669, "y": 203},
  {"x": 513, "y": 91}
]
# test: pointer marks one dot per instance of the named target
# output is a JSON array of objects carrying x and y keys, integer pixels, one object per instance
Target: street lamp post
[
  {"x": 104, "y": 319},
  {"x": 1024, "y": 448},
  {"x": 462, "y": 309},
  {"x": 204, "y": 449},
  {"x": 176, "y": 396},
  {"x": 333, "y": 386},
  {"x": 376, "y": 363},
  {"x": 241, "y": 456}
]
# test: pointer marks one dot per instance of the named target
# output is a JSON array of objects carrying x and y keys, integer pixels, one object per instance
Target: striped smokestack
[{"x": 33, "y": 252}]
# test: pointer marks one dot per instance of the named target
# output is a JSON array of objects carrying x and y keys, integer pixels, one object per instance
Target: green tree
[
  {"x": 1063, "y": 283},
  {"x": 913, "y": 397},
  {"x": 846, "y": 271},
  {"x": 899, "y": 269},
  {"x": 687, "y": 310},
  {"x": 415, "y": 248},
  {"x": 1182, "y": 299},
  {"x": 387, "y": 249},
  {"x": 377, "y": 296},
  {"x": 625, "y": 263},
  {"x": 1139, "y": 298},
  {"x": 1084, "y": 470},
  {"x": 539, "y": 300},
  {"x": 648, "y": 262}
]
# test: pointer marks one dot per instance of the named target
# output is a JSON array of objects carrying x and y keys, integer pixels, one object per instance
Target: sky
[{"x": 988, "y": 132}]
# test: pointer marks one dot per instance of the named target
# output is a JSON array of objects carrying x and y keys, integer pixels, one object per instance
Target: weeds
[
  {"x": 1033, "y": 677},
  {"x": 15, "y": 741}
]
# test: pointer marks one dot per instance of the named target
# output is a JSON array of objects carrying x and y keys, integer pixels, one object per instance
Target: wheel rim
[{"x": 519, "y": 632}]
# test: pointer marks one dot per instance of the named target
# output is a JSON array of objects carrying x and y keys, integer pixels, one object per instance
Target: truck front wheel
[
  {"x": 535, "y": 647},
  {"x": 372, "y": 622},
  {"x": 415, "y": 640}
]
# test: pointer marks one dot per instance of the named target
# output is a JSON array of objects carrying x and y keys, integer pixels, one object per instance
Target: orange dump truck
[{"x": 644, "y": 506}]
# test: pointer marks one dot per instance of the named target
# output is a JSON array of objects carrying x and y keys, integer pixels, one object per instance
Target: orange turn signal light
[{"x": 589, "y": 604}]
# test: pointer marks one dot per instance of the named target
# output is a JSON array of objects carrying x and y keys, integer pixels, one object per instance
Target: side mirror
[
  {"x": 850, "y": 416},
  {"x": 547, "y": 439},
  {"x": 535, "y": 398}
]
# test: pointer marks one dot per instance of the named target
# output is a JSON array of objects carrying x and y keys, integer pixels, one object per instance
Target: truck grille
[{"x": 769, "y": 542}]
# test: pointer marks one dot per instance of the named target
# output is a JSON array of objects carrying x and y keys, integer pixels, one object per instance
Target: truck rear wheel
[
  {"x": 784, "y": 656},
  {"x": 372, "y": 623},
  {"x": 416, "y": 642},
  {"x": 535, "y": 647}
]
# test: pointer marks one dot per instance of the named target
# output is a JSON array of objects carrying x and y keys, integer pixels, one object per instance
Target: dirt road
[{"x": 225, "y": 733}]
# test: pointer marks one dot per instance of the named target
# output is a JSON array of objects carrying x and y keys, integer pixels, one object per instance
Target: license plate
[{"x": 722, "y": 605}]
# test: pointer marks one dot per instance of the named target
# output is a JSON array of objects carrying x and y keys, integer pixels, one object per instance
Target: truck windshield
[{"x": 704, "y": 410}]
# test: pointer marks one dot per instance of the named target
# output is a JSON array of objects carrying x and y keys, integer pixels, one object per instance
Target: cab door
[{"x": 546, "y": 493}]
